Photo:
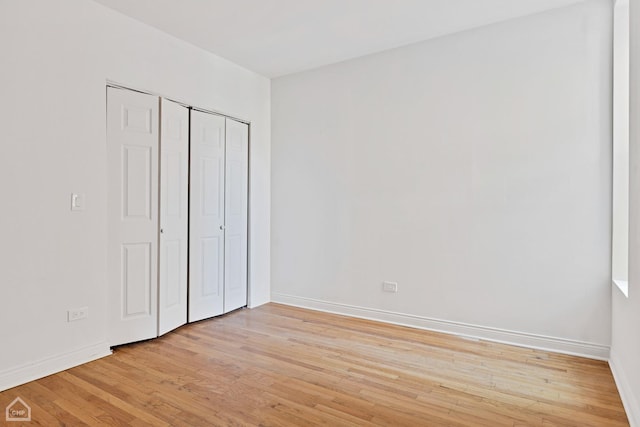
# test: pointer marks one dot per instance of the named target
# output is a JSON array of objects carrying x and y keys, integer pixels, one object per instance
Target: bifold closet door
[
  {"x": 174, "y": 189},
  {"x": 206, "y": 212},
  {"x": 218, "y": 215},
  {"x": 132, "y": 156},
  {"x": 236, "y": 214}
]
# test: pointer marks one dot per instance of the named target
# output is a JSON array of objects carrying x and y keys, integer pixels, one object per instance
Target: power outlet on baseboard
[
  {"x": 77, "y": 314},
  {"x": 389, "y": 287}
]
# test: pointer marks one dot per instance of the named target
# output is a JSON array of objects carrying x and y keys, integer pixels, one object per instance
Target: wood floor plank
[{"x": 284, "y": 366}]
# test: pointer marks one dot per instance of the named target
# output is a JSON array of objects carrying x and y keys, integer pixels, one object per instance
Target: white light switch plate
[{"x": 77, "y": 202}]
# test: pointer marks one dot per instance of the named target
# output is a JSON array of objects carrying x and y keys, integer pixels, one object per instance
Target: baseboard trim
[
  {"x": 629, "y": 400},
  {"x": 521, "y": 339},
  {"x": 32, "y": 371}
]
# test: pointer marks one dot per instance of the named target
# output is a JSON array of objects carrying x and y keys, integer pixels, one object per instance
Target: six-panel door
[
  {"x": 236, "y": 190},
  {"x": 178, "y": 203},
  {"x": 132, "y": 157},
  {"x": 206, "y": 213},
  {"x": 174, "y": 219}
]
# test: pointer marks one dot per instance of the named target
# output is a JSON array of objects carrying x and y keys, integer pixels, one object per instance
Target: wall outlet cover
[
  {"x": 389, "y": 286},
  {"x": 77, "y": 314}
]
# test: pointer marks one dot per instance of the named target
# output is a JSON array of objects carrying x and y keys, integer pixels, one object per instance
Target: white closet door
[
  {"x": 236, "y": 192},
  {"x": 132, "y": 153},
  {"x": 206, "y": 229},
  {"x": 174, "y": 189}
]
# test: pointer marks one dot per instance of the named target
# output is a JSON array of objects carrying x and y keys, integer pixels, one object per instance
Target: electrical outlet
[
  {"x": 389, "y": 287},
  {"x": 77, "y": 314}
]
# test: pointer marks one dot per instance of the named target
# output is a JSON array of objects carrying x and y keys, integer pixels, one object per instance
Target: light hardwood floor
[{"x": 279, "y": 365}]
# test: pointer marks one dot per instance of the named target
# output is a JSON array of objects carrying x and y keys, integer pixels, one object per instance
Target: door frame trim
[{"x": 116, "y": 85}]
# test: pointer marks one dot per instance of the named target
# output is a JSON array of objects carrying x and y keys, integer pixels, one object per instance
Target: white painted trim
[
  {"x": 51, "y": 365},
  {"x": 522, "y": 339},
  {"x": 629, "y": 400},
  {"x": 251, "y": 305},
  {"x": 623, "y": 286},
  {"x": 114, "y": 84}
]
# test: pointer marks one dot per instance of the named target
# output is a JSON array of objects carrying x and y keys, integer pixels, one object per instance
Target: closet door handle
[
  {"x": 161, "y": 230},
  {"x": 222, "y": 227}
]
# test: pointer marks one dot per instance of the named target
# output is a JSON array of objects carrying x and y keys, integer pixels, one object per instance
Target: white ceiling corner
[{"x": 279, "y": 37}]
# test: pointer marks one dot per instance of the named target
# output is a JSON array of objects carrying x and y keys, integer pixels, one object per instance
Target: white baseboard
[
  {"x": 629, "y": 400},
  {"x": 32, "y": 371},
  {"x": 538, "y": 342}
]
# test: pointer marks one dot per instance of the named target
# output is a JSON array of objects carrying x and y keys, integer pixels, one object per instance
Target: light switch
[{"x": 77, "y": 202}]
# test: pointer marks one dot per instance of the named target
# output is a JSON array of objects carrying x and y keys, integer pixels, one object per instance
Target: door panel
[
  {"x": 236, "y": 218},
  {"x": 136, "y": 280},
  {"x": 206, "y": 235},
  {"x": 136, "y": 179},
  {"x": 174, "y": 273},
  {"x": 174, "y": 188},
  {"x": 132, "y": 156},
  {"x": 211, "y": 274}
]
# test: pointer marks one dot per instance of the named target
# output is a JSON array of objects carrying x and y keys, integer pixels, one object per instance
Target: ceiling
[{"x": 279, "y": 37}]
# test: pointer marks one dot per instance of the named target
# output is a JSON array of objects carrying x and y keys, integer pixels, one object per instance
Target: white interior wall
[
  {"x": 625, "y": 344},
  {"x": 56, "y": 59},
  {"x": 473, "y": 169}
]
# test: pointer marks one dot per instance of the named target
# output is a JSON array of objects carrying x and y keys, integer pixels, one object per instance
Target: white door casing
[
  {"x": 132, "y": 156},
  {"x": 236, "y": 199},
  {"x": 206, "y": 216},
  {"x": 174, "y": 189}
]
